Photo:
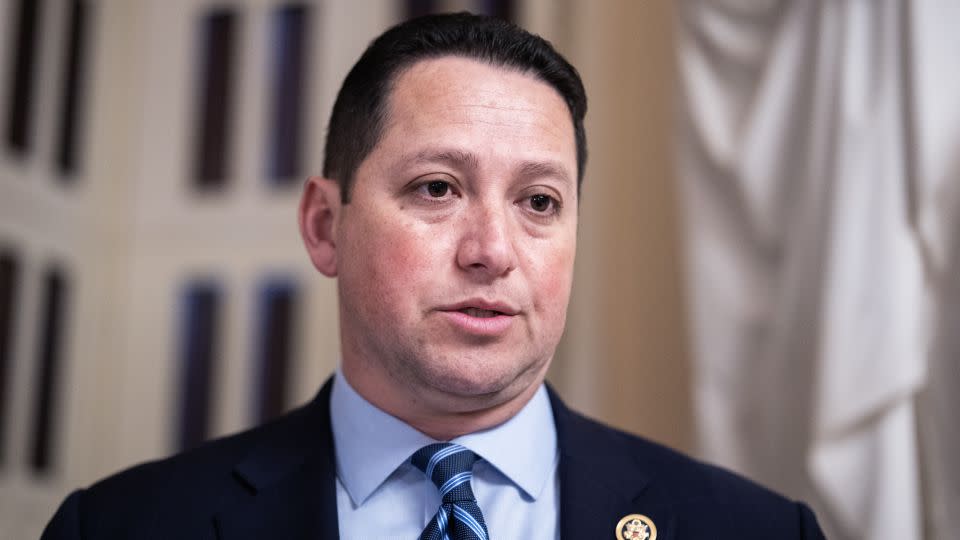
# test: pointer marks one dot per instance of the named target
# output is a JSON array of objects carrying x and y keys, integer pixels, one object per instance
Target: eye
[
  {"x": 542, "y": 204},
  {"x": 434, "y": 188},
  {"x": 437, "y": 188}
]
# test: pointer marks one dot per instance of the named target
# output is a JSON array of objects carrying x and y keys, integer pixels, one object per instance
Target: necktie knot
[{"x": 450, "y": 467}]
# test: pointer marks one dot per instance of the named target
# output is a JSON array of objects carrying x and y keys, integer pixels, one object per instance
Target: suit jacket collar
[
  {"x": 601, "y": 479},
  {"x": 288, "y": 482}
]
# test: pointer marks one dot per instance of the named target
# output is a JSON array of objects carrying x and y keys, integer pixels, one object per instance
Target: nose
[{"x": 486, "y": 248}]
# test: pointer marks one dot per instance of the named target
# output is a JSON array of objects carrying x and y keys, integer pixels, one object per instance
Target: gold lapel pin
[{"x": 636, "y": 527}]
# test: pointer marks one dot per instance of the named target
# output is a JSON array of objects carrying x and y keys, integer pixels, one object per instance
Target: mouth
[
  {"x": 480, "y": 313},
  {"x": 481, "y": 318},
  {"x": 482, "y": 309}
]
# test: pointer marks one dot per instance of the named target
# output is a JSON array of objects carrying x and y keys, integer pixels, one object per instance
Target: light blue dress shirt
[{"x": 382, "y": 496}]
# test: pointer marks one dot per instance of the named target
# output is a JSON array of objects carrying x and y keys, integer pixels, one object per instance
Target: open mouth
[
  {"x": 480, "y": 318},
  {"x": 480, "y": 313}
]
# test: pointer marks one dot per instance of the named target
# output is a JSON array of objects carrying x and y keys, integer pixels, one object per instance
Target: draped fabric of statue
[{"x": 820, "y": 156}]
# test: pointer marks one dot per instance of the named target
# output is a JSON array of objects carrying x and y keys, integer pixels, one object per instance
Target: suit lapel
[
  {"x": 601, "y": 481},
  {"x": 286, "y": 487}
]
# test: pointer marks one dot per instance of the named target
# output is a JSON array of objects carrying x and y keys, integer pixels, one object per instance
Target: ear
[{"x": 319, "y": 211}]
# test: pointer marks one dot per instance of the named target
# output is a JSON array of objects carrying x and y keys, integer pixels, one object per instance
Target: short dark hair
[{"x": 356, "y": 123}]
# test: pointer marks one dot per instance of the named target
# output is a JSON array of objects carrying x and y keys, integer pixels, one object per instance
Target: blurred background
[{"x": 768, "y": 261}]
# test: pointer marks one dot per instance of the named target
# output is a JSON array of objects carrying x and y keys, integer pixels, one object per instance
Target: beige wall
[
  {"x": 624, "y": 358},
  {"x": 133, "y": 232}
]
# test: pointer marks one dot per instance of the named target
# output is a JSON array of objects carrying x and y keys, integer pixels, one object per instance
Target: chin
[
  {"x": 468, "y": 379},
  {"x": 462, "y": 386}
]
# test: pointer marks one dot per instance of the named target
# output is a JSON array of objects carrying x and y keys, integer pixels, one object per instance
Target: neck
[{"x": 439, "y": 415}]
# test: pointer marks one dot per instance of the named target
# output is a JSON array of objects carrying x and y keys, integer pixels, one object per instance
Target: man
[{"x": 448, "y": 214}]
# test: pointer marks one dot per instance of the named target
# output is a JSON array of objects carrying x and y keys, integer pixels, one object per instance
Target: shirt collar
[
  {"x": 524, "y": 448},
  {"x": 371, "y": 444}
]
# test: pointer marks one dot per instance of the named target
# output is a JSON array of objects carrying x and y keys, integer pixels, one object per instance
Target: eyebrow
[
  {"x": 456, "y": 158},
  {"x": 538, "y": 169},
  {"x": 468, "y": 160}
]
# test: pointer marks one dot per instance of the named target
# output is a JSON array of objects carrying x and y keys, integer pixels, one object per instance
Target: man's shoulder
[
  {"x": 183, "y": 491},
  {"x": 671, "y": 486},
  {"x": 211, "y": 463},
  {"x": 651, "y": 459},
  {"x": 208, "y": 464}
]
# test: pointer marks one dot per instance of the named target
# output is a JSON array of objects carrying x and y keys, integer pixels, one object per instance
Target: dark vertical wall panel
[
  {"x": 289, "y": 39},
  {"x": 277, "y": 310},
  {"x": 213, "y": 118},
  {"x": 9, "y": 270},
  {"x": 74, "y": 74},
  {"x": 503, "y": 9},
  {"x": 24, "y": 52},
  {"x": 49, "y": 350},
  {"x": 416, "y": 8},
  {"x": 198, "y": 350}
]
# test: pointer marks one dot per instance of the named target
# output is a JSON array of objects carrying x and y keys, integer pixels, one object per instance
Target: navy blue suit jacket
[{"x": 278, "y": 481}]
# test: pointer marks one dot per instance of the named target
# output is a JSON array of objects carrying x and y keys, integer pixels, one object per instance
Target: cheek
[
  {"x": 389, "y": 261},
  {"x": 405, "y": 253},
  {"x": 553, "y": 278}
]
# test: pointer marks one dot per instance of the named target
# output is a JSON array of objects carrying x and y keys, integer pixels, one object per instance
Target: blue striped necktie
[{"x": 450, "y": 467}]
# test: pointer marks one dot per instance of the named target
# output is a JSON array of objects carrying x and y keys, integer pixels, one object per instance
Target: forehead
[{"x": 450, "y": 100}]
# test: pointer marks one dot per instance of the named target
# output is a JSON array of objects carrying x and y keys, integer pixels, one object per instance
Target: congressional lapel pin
[{"x": 636, "y": 527}]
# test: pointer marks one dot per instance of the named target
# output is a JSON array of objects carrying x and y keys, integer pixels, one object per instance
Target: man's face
[{"x": 455, "y": 254}]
